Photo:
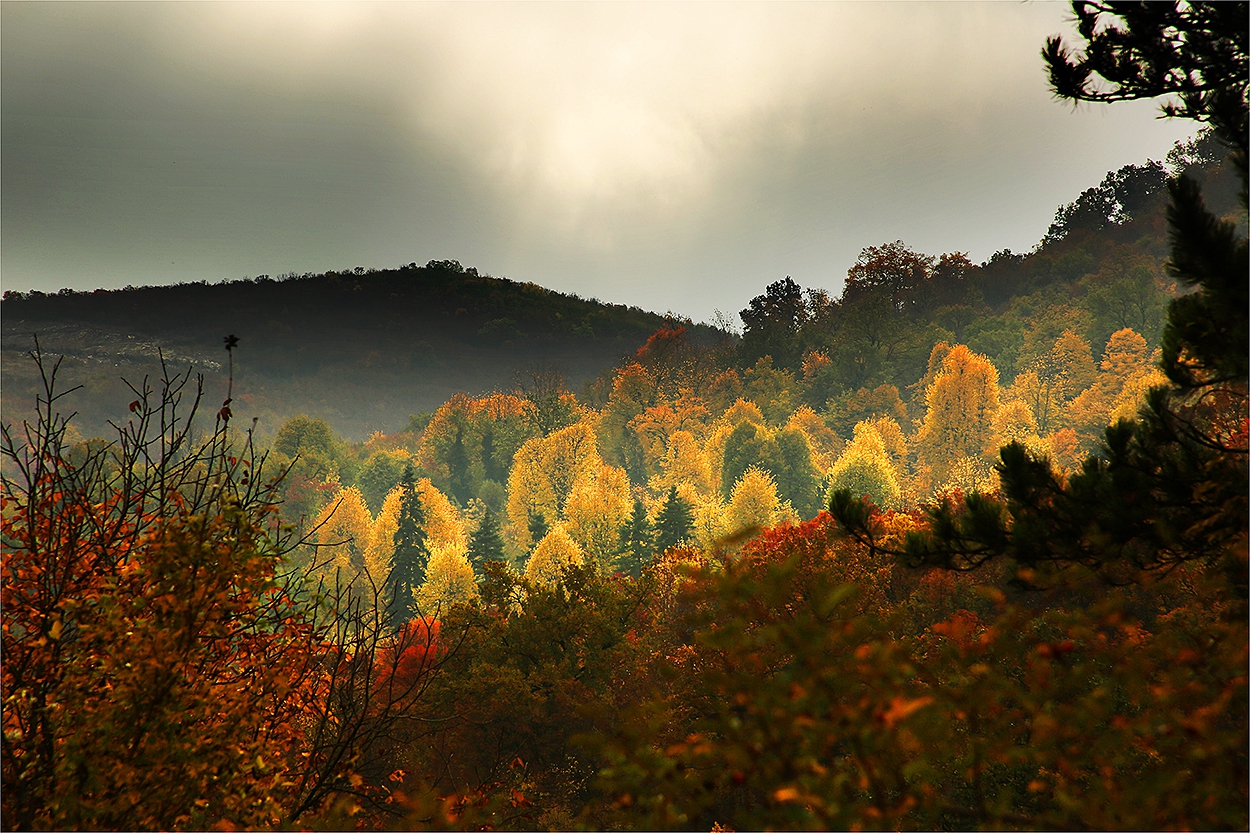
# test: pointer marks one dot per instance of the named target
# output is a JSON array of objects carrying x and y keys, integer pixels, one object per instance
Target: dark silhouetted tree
[{"x": 411, "y": 556}]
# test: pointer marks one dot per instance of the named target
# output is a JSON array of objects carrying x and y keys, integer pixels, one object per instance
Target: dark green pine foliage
[
  {"x": 538, "y": 528},
  {"x": 637, "y": 541},
  {"x": 486, "y": 544},
  {"x": 674, "y": 522},
  {"x": 411, "y": 556},
  {"x": 1172, "y": 485}
]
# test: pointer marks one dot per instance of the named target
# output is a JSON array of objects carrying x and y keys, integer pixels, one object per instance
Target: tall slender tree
[
  {"x": 637, "y": 541},
  {"x": 411, "y": 556}
]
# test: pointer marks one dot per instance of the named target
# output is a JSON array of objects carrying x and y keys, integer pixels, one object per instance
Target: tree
[
  {"x": 772, "y": 323},
  {"x": 674, "y": 523},
  {"x": 543, "y": 474},
  {"x": 864, "y": 468},
  {"x": 344, "y": 532},
  {"x": 411, "y": 555},
  {"x": 597, "y": 508},
  {"x": 448, "y": 580},
  {"x": 554, "y": 553},
  {"x": 379, "y": 475},
  {"x": 637, "y": 541},
  {"x": 890, "y": 271},
  {"x": 485, "y": 544},
  {"x": 753, "y": 504},
  {"x": 961, "y": 403}
]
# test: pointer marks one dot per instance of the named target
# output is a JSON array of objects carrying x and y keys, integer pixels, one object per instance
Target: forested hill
[{"x": 364, "y": 349}]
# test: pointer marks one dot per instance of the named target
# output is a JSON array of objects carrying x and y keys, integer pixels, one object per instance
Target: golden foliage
[
  {"x": 824, "y": 443},
  {"x": 543, "y": 474},
  {"x": 962, "y": 402},
  {"x": 554, "y": 552},
  {"x": 598, "y": 506},
  {"x": 865, "y": 468},
  {"x": 449, "y": 580},
  {"x": 685, "y": 462},
  {"x": 754, "y": 503}
]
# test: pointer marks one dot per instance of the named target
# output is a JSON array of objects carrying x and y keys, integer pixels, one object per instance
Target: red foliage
[
  {"x": 662, "y": 345},
  {"x": 403, "y": 663}
]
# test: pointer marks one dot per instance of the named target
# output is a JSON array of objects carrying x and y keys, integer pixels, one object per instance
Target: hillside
[{"x": 363, "y": 349}]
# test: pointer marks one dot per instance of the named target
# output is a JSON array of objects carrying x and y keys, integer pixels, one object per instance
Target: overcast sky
[{"x": 674, "y": 156}]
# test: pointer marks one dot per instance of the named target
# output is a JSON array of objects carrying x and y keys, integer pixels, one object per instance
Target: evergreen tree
[
  {"x": 637, "y": 541},
  {"x": 412, "y": 555},
  {"x": 674, "y": 522},
  {"x": 537, "y": 526},
  {"x": 486, "y": 544}
]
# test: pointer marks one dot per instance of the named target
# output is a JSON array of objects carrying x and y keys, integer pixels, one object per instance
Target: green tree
[
  {"x": 486, "y": 543},
  {"x": 381, "y": 473},
  {"x": 411, "y": 556},
  {"x": 637, "y": 541},
  {"x": 772, "y": 323},
  {"x": 674, "y": 523}
]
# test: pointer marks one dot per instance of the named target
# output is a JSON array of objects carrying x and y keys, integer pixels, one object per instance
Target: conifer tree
[
  {"x": 486, "y": 544},
  {"x": 411, "y": 556},
  {"x": 637, "y": 541},
  {"x": 674, "y": 523}
]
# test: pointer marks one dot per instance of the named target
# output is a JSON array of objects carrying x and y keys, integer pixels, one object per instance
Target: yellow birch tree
[{"x": 554, "y": 552}]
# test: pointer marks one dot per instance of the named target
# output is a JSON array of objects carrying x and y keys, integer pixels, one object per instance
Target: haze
[{"x": 675, "y": 156}]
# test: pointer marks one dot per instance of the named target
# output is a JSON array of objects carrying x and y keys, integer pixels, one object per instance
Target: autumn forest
[{"x": 963, "y": 547}]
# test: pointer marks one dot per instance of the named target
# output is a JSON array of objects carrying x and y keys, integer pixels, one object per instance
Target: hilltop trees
[{"x": 1170, "y": 487}]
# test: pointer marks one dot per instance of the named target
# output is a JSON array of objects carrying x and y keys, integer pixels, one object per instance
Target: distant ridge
[{"x": 362, "y": 348}]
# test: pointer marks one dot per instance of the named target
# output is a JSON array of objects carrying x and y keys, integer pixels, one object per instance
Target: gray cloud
[{"x": 677, "y": 156}]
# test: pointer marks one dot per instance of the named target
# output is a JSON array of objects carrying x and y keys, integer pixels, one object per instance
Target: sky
[{"x": 675, "y": 156}]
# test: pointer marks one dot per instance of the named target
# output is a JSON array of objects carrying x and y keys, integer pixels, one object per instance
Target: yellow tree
[
  {"x": 382, "y": 536},
  {"x": 865, "y": 468},
  {"x": 343, "y": 533},
  {"x": 443, "y": 524},
  {"x": 598, "y": 506},
  {"x": 449, "y": 580},
  {"x": 1014, "y": 422},
  {"x": 962, "y": 402},
  {"x": 684, "y": 462},
  {"x": 554, "y": 552},
  {"x": 543, "y": 473},
  {"x": 1133, "y": 395},
  {"x": 824, "y": 443},
  {"x": 754, "y": 503},
  {"x": 1054, "y": 378},
  {"x": 1125, "y": 359}
]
